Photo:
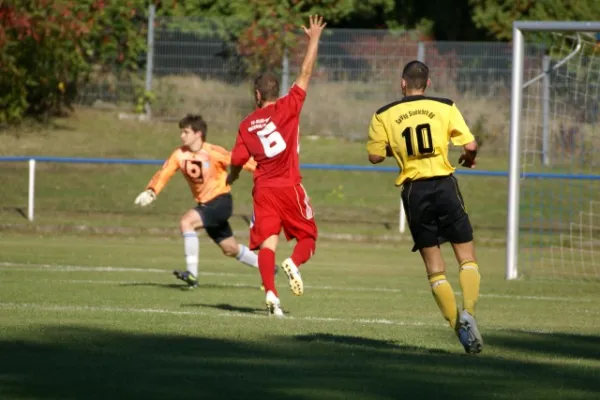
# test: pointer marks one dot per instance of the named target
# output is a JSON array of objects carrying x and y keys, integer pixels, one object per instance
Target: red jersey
[{"x": 270, "y": 135}]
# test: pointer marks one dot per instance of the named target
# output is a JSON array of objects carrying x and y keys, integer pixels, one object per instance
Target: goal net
[{"x": 554, "y": 182}]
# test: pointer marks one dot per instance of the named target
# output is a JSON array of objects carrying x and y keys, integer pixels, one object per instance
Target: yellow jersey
[{"x": 418, "y": 130}]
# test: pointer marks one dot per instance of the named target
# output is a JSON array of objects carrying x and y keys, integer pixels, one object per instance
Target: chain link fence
[{"x": 196, "y": 67}]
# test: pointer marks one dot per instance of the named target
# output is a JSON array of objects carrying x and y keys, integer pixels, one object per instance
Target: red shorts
[{"x": 281, "y": 207}]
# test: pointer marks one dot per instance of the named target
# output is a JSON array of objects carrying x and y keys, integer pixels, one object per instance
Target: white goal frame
[{"x": 516, "y": 101}]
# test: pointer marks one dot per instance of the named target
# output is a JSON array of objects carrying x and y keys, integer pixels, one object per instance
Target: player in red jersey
[{"x": 271, "y": 136}]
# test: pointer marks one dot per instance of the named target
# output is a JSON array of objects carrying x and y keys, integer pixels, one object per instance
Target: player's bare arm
[
  {"x": 314, "y": 30},
  {"x": 467, "y": 159},
  {"x": 375, "y": 159},
  {"x": 234, "y": 173}
]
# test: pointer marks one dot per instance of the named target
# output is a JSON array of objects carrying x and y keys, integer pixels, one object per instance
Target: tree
[
  {"x": 41, "y": 48},
  {"x": 49, "y": 47},
  {"x": 496, "y": 16},
  {"x": 263, "y": 29},
  {"x": 449, "y": 23}
]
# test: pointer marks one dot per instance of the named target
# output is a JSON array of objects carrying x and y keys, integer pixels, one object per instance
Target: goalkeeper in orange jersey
[{"x": 204, "y": 167}]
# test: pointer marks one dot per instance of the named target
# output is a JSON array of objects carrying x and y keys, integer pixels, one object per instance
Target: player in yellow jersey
[
  {"x": 204, "y": 167},
  {"x": 416, "y": 131}
]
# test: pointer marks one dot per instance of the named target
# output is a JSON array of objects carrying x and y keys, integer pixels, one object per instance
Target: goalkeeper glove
[{"x": 145, "y": 198}]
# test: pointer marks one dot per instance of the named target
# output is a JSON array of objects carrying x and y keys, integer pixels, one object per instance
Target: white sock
[
  {"x": 192, "y": 248},
  {"x": 247, "y": 256}
]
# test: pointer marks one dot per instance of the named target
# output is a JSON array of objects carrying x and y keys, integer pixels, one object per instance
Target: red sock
[
  {"x": 303, "y": 251},
  {"x": 266, "y": 266}
]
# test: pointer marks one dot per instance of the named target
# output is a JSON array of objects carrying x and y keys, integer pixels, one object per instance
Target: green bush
[{"x": 48, "y": 49}]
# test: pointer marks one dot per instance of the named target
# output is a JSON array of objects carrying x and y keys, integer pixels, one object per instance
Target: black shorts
[
  {"x": 215, "y": 216},
  {"x": 436, "y": 212}
]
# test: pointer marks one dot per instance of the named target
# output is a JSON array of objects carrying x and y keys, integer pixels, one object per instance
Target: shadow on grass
[
  {"x": 16, "y": 210},
  {"x": 557, "y": 344},
  {"x": 230, "y": 286},
  {"x": 353, "y": 341},
  {"x": 229, "y": 307},
  {"x": 76, "y": 363},
  {"x": 185, "y": 287},
  {"x": 176, "y": 286}
]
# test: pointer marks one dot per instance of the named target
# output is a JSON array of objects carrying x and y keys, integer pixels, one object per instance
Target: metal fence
[
  {"x": 364, "y": 56},
  {"x": 195, "y": 66}
]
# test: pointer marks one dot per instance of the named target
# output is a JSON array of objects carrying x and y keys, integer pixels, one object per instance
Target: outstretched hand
[
  {"x": 145, "y": 198},
  {"x": 315, "y": 26}
]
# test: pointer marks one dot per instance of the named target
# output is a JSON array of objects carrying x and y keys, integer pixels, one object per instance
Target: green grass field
[
  {"x": 346, "y": 202},
  {"x": 99, "y": 317},
  {"x": 70, "y": 195},
  {"x": 363, "y": 206},
  {"x": 89, "y": 308}
]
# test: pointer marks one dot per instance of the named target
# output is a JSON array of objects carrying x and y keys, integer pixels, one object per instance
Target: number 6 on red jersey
[{"x": 271, "y": 140}]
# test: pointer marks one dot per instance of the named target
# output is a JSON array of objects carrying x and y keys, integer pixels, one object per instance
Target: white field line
[
  {"x": 222, "y": 260},
  {"x": 130, "y": 310},
  {"x": 342, "y": 289},
  {"x": 7, "y": 266}
]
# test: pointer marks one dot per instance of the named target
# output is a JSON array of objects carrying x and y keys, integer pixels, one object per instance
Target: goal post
[{"x": 541, "y": 141}]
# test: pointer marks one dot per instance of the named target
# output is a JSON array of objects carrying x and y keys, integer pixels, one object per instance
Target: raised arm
[{"x": 314, "y": 30}]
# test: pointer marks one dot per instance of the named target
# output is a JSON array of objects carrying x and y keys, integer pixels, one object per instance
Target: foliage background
[{"x": 50, "y": 48}]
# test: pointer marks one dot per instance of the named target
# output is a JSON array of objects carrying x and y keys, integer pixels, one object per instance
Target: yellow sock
[
  {"x": 469, "y": 282},
  {"x": 444, "y": 297}
]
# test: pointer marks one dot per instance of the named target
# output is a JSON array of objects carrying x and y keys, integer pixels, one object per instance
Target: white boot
[
  {"x": 291, "y": 270},
  {"x": 273, "y": 305}
]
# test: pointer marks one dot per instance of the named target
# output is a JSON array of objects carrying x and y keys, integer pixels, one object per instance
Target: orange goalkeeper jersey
[{"x": 205, "y": 171}]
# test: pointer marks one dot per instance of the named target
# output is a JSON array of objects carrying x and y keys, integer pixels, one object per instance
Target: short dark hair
[
  {"x": 416, "y": 75},
  {"x": 196, "y": 122},
  {"x": 267, "y": 85}
]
